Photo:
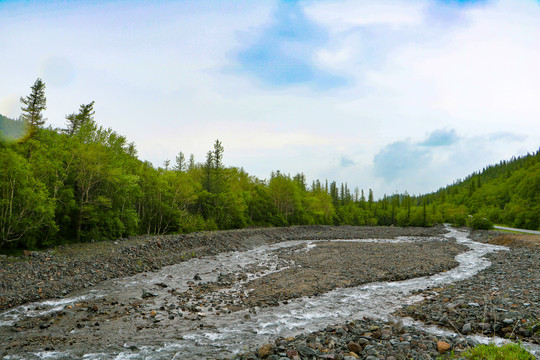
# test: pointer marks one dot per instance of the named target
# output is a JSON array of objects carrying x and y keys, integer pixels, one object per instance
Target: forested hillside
[
  {"x": 85, "y": 183},
  {"x": 506, "y": 193}
]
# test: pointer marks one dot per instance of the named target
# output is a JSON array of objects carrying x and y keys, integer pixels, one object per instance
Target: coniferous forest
[{"x": 86, "y": 183}]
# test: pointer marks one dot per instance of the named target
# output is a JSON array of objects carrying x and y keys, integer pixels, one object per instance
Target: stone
[
  {"x": 305, "y": 351},
  {"x": 466, "y": 329},
  {"x": 265, "y": 350},
  {"x": 291, "y": 353},
  {"x": 147, "y": 294},
  {"x": 354, "y": 347},
  {"x": 443, "y": 347},
  {"x": 363, "y": 341}
]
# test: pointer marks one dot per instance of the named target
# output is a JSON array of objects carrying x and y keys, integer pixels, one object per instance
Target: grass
[{"x": 493, "y": 352}]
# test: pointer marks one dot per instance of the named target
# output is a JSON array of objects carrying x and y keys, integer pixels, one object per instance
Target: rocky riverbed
[
  {"x": 503, "y": 300},
  {"x": 55, "y": 273},
  {"x": 154, "y": 314}
]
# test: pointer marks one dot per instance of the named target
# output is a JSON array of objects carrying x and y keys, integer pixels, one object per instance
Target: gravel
[
  {"x": 502, "y": 300},
  {"x": 55, "y": 273}
]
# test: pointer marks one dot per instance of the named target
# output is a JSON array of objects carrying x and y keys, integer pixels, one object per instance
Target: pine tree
[
  {"x": 191, "y": 164},
  {"x": 180, "y": 162},
  {"x": 370, "y": 198},
  {"x": 76, "y": 121},
  {"x": 34, "y": 104}
]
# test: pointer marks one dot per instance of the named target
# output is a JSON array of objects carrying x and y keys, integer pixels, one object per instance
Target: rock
[
  {"x": 305, "y": 351},
  {"x": 147, "y": 294},
  {"x": 265, "y": 350},
  {"x": 362, "y": 341},
  {"x": 466, "y": 329},
  {"x": 443, "y": 346},
  {"x": 291, "y": 353},
  {"x": 197, "y": 277},
  {"x": 354, "y": 347}
]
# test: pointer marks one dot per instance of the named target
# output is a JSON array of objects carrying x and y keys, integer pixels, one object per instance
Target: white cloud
[
  {"x": 340, "y": 16},
  {"x": 166, "y": 77}
]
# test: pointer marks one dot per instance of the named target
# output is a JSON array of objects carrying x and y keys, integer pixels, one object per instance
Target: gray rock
[
  {"x": 306, "y": 351},
  {"x": 147, "y": 294},
  {"x": 466, "y": 329}
]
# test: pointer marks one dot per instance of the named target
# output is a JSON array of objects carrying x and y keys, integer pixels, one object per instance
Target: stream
[{"x": 216, "y": 337}]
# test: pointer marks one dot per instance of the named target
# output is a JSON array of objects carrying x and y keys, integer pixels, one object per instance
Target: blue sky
[{"x": 389, "y": 95}]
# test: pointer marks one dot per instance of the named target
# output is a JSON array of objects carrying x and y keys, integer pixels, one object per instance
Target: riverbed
[{"x": 221, "y": 305}]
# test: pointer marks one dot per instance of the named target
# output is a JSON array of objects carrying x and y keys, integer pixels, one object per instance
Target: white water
[{"x": 233, "y": 332}]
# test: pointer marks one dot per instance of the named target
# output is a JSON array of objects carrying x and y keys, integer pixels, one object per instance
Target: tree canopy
[{"x": 85, "y": 183}]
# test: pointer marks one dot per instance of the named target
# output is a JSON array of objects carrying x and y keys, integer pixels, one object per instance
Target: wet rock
[
  {"x": 147, "y": 294},
  {"x": 354, "y": 347},
  {"x": 466, "y": 329},
  {"x": 443, "y": 347},
  {"x": 306, "y": 351},
  {"x": 265, "y": 350}
]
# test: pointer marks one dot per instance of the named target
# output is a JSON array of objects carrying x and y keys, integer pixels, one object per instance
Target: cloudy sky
[{"x": 391, "y": 95}]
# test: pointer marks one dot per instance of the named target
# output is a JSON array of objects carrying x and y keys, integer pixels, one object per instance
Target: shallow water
[{"x": 222, "y": 336}]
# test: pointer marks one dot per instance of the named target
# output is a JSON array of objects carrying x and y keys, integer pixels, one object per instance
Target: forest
[{"x": 85, "y": 183}]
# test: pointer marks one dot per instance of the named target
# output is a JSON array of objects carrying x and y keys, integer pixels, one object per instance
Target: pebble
[
  {"x": 350, "y": 341},
  {"x": 73, "y": 269},
  {"x": 502, "y": 300}
]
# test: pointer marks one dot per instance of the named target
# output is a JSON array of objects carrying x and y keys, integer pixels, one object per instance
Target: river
[{"x": 222, "y": 336}]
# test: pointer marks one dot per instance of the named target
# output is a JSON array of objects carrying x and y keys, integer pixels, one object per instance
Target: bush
[{"x": 478, "y": 222}]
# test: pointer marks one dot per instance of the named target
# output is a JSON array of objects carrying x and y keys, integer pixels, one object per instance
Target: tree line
[{"x": 85, "y": 183}]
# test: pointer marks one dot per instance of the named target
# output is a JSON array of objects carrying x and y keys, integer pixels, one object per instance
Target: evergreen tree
[
  {"x": 191, "y": 164},
  {"x": 33, "y": 106},
  {"x": 370, "y": 199},
  {"x": 76, "y": 121},
  {"x": 180, "y": 162},
  {"x": 208, "y": 172}
]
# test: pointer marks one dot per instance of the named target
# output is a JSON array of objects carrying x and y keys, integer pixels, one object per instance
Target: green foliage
[
  {"x": 33, "y": 106},
  {"x": 25, "y": 207},
  {"x": 494, "y": 352},
  {"x": 11, "y": 130},
  {"x": 479, "y": 222},
  {"x": 86, "y": 183}
]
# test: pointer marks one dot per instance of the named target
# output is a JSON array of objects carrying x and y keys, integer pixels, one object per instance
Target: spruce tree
[
  {"x": 76, "y": 121},
  {"x": 34, "y": 104}
]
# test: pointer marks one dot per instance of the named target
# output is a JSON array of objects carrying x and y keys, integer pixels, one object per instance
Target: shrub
[{"x": 478, "y": 222}]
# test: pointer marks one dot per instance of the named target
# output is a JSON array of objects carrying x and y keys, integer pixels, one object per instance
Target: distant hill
[
  {"x": 506, "y": 193},
  {"x": 10, "y": 129}
]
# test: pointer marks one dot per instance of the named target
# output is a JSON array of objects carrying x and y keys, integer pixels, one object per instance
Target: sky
[{"x": 387, "y": 95}]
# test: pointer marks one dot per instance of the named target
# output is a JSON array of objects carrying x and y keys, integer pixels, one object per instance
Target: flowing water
[{"x": 224, "y": 335}]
